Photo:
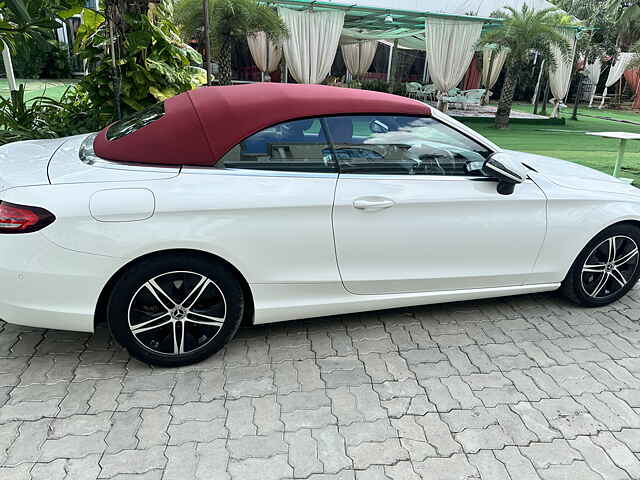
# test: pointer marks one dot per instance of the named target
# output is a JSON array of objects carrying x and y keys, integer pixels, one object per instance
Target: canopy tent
[
  {"x": 447, "y": 34},
  {"x": 404, "y": 29},
  {"x": 479, "y": 8}
]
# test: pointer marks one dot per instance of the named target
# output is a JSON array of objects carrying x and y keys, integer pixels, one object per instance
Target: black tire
[
  {"x": 135, "y": 300},
  {"x": 586, "y": 287}
]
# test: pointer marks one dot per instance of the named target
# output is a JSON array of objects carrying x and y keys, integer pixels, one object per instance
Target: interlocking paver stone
[
  {"x": 527, "y": 388},
  {"x": 132, "y": 462}
]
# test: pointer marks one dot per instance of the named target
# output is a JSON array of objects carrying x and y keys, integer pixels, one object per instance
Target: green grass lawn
[
  {"x": 35, "y": 88},
  {"x": 569, "y": 142}
]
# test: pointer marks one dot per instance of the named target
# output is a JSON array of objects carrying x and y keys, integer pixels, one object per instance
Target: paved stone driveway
[{"x": 518, "y": 388}]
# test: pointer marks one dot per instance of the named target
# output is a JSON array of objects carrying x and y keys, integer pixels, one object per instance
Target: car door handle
[{"x": 376, "y": 203}]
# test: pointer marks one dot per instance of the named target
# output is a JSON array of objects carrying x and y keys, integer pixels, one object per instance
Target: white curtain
[
  {"x": 450, "y": 45},
  {"x": 592, "y": 70},
  {"x": 492, "y": 62},
  {"x": 560, "y": 76},
  {"x": 358, "y": 55},
  {"x": 265, "y": 53},
  {"x": 616, "y": 71},
  {"x": 312, "y": 43}
]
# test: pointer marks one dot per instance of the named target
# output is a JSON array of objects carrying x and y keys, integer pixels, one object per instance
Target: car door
[
  {"x": 266, "y": 206},
  {"x": 415, "y": 212}
]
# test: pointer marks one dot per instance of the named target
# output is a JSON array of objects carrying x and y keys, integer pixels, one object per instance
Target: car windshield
[
  {"x": 417, "y": 131},
  {"x": 136, "y": 122}
]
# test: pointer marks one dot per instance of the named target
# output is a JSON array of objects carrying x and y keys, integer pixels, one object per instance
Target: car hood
[{"x": 573, "y": 175}]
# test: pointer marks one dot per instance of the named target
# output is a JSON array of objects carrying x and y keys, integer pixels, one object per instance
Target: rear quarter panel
[{"x": 273, "y": 229}]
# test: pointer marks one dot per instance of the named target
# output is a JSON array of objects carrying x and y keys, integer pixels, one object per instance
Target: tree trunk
[
  {"x": 576, "y": 104},
  {"x": 506, "y": 100},
  {"x": 224, "y": 61},
  {"x": 545, "y": 99}
]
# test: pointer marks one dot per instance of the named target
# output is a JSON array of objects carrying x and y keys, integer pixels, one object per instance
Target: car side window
[
  {"x": 403, "y": 145},
  {"x": 294, "y": 146}
]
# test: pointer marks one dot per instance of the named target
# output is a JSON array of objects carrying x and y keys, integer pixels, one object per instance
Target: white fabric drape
[
  {"x": 358, "y": 55},
  {"x": 616, "y": 71},
  {"x": 492, "y": 62},
  {"x": 593, "y": 70},
  {"x": 265, "y": 53},
  {"x": 312, "y": 43},
  {"x": 618, "y": 68},
  {"x": 450, "y": 45},
  {"x": 560, "y": 76}
]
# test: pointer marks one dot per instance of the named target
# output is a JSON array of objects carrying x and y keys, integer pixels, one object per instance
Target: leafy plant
[
  {"x": 18, "y": 23},
  {"x": 44, "y": 117},
  {"x": 22, "y": 120},
  {"x": 522, "y": 31},
  {"x": 375, "y": 85},
  {"x": 40, "y": 58},
  {"x": 230, "y": 22},
  {"x": 24, "y": 19},
  {"x": 151, "y": 60}
]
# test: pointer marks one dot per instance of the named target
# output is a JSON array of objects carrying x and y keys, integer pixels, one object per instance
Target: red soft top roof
[{"x": 201, "y": 125}]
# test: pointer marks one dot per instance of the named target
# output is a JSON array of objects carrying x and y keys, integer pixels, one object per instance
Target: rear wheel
[
  {"x": 606, "y": 269},
  {"x": 175, "y": 310}
]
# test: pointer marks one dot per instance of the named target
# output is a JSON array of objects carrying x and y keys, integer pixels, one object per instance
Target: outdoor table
[{"x": 623, "y": 137}]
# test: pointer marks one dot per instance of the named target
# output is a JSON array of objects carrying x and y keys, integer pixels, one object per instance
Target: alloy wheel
[
  {"x": 176, "y": 313},
  {"x": 610, "y": 266}
]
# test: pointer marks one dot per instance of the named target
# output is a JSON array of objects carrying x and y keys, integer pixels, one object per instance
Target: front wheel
[
  {"x": 606, "y": 269},
  {"x": 175, "y": 310}
]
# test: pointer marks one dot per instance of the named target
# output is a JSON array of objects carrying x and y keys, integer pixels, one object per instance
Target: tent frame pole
[
  {"x": 424, "y": 70},
  {"x": 391, "y": 48},
  {"x": 8, "y": 67}
]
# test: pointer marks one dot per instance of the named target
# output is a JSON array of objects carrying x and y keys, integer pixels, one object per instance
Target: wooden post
[{"x": 545, "y": 99}]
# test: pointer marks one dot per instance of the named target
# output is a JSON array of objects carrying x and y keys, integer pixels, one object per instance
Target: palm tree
[
  {"x": 230, "y": 22},
  {"x": 521, "y": 32},
  {"x": 627, "y": 15}
]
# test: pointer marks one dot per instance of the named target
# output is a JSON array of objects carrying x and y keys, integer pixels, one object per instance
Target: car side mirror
[{"x": 509, "y": 171}]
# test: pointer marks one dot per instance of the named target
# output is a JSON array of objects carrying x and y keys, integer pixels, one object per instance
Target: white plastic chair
[{"x": 473, "y": 97}]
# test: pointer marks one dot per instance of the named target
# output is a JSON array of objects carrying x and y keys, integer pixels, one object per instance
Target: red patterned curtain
[
  {"x": 472, "y": 77},
  {"x": 632, "y": 77}
]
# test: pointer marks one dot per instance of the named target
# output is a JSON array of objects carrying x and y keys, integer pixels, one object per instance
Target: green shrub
[
  {"x": 22, "y": 120},
  {"x": 154, "y": 64},
  {"x": 38, "y": 58},
  {"x": 44, "y": 117},
  {"x": 375, "y": 85}
]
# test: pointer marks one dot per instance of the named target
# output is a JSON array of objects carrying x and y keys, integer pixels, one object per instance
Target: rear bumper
[{"x": 44, "y": 285}]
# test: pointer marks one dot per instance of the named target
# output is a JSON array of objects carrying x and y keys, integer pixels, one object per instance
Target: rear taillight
[{"x": 23, "y": 219}]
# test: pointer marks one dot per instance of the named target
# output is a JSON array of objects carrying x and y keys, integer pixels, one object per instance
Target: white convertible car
[{"x": 275, "y": 202}]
